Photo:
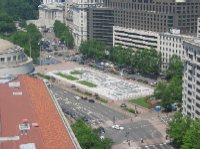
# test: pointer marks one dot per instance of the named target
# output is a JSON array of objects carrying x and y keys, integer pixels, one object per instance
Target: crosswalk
[{"x": 157, "y": 146}]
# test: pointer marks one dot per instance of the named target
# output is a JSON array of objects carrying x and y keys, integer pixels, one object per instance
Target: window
[{"x": 2, "y": 59}]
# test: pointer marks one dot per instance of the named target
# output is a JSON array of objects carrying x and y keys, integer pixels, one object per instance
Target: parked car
[
  {"x": 91, "y": 101},
  {"x": 118, "y": 127},
  {"x": 123, "y": 105}
]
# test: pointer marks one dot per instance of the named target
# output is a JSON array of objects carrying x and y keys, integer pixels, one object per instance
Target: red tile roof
[{"x": 36, "y": 105}]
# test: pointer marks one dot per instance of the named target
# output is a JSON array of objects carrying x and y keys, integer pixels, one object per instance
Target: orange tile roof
[{"x": 36, "y": 105}]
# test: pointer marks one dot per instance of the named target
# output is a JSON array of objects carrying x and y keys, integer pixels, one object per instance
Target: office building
[
  {"x": 191, "y": 79},
  {"x": 156, "y": 15},
  {"x": 198, "y": 28},
  {"x": 100, "y": 22}
]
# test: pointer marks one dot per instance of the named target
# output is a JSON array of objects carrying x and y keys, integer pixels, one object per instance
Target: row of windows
[{"x": 14, "y": 58}]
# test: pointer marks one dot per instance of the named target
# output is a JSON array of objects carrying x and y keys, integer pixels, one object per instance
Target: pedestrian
[{"x": 141, "y": 140}]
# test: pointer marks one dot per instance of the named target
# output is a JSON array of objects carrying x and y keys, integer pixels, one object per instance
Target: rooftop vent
[
  {"x": 27, "y": 146},
  {"x": 14, "y": 84}
]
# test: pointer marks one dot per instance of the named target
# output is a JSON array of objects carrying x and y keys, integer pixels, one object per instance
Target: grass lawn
[
  {"x": 76, "y": 72},
  {"x": 69, "y": 77},
  {"x": 43, "y": 76},
  {"x": 86, "y": 83},
  {"x": 140, "y": 101}
]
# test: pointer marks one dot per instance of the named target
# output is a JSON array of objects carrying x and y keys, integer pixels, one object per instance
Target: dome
[{"x": 5, "y": 45}]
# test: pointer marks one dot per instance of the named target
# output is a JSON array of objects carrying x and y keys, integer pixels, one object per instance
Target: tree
[
  {"x": 28, "y": 40},
  {"x": 191, "y": 137},
  {"x": 146, "y": 61},
  {"x": 175, "y": 68},
  {"x": 178, "y": 127},
  {"x": 93, "y": 49},
  {"x": 6, "y": 23},
  {"x": 121, "y": 56},
  {"x": 61, "y": 31},
  {"x": 88, "y": 138}
]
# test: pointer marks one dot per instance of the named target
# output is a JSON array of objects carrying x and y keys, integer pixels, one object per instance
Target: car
[
  {"x": 91, "y": 101},
  {"x": 101, "y": 130},
  {"x": 77, "y": 97},
  {"x": 118, "y": 127},
  {"x": 102, "y": 137},
  {"x": 84, "y": 97},
  {"x": 123, "y": 105}
]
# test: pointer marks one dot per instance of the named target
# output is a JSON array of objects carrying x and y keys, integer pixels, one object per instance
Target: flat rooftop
[{"x": 28, "y": 111}]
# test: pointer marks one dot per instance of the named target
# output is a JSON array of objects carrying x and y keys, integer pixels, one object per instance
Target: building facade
[
  {"x": 51, "y": 1},
  {"x": 79, "y": 11},
  {"x": 13, "y": 60},
  {"x": 49, "y": 13},
  {"x": 100, "y": 22},
  {"x": 191, "y": 79},
  {"x": 198, "y": 28},
  {"x": 156, "y": 15},
  {"x": 135, "y": 39},
  {"x": 170, "y": 44}
]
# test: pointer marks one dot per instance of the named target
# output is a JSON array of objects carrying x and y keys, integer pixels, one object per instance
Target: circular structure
[{"x": 13, "y": 60}]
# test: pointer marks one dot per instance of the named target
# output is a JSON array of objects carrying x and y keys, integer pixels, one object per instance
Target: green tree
[
  {"x": 62, "y": 31},
  {"x": 178, "y": 127},
  {"x": 191, "y": 137},
  {"x": 6, "y": 23},
  {"x": 28, "y": 40},
  {"x": 93, "y": 49},
  {"x": 88, "y": 138},
  {"x": 121, "y": 56},
  {"x": 175, "y": 68},
  {"x": 146, "y": 61}
]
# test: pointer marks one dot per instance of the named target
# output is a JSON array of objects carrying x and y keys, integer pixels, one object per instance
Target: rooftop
[
  {"x": 5, "y": 45},
  {"x": 194, "y": 41},
  {"x": 27, "y": 111}
]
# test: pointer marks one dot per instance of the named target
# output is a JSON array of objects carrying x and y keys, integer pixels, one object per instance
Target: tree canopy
[
  {"x": 88, "y": 138},
  {"x": 28, "y": 40},
  {"x": 62, "y": 31},
  {"x": 93, "y": 49},
  {"x": 184, "y": 132},
  {"x": 175, "y": 68}
]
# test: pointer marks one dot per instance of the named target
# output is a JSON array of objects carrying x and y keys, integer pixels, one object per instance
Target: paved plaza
[{"x": 107, "y": 86}]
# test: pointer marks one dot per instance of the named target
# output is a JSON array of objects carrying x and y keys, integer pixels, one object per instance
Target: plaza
[{"x": 105, "y": 85}]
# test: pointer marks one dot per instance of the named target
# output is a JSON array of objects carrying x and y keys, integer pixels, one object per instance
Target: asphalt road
[
  {"x": 133, "y": 131},
  {"x": 97, "y": 115},
  {"x": 94, "y": 113}
]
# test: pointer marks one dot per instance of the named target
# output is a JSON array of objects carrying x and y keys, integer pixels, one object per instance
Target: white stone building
[
  {"x": 79, "y": 18},
  {"x": 49, "y": 13},
  {"x": 170, "y": 44},
  {"x": 191, "y": 79},
  {"x": 13, "y": 60}
]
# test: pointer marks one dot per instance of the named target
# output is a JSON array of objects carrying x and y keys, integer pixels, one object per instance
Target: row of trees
[
  {"x": 146, "y": 61},
  {"x": 184, "y": 132},
  {"x": 62, "y": 31},
  {"x": 170, "y": 91},
  {"x": 88, "y": 138}
]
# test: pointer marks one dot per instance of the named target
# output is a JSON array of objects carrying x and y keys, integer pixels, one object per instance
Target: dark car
[
  {"x": 123, "y": 105},
  {"x": 101, "y": 130},
  {"x": 91, "y": 101}
]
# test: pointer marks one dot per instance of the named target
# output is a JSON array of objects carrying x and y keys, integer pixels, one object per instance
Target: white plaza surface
[{"x": 107, "y": 86}]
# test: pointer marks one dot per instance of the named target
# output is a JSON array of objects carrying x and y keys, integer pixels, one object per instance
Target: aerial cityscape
[{"x": 99, "y": 74}]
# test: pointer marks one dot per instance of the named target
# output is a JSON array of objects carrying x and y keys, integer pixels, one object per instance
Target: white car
[
  {"x": 102, "y": 137},
  {"x": 118, "y": 127},
  {"x": 77, "y": 97}
]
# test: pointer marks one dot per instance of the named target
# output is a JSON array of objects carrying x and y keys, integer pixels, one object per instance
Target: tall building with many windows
[
  {"x": 100, "y": 22},
  {"x": 191, "y": 79},
  {"x": 156, "y": 15}
]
